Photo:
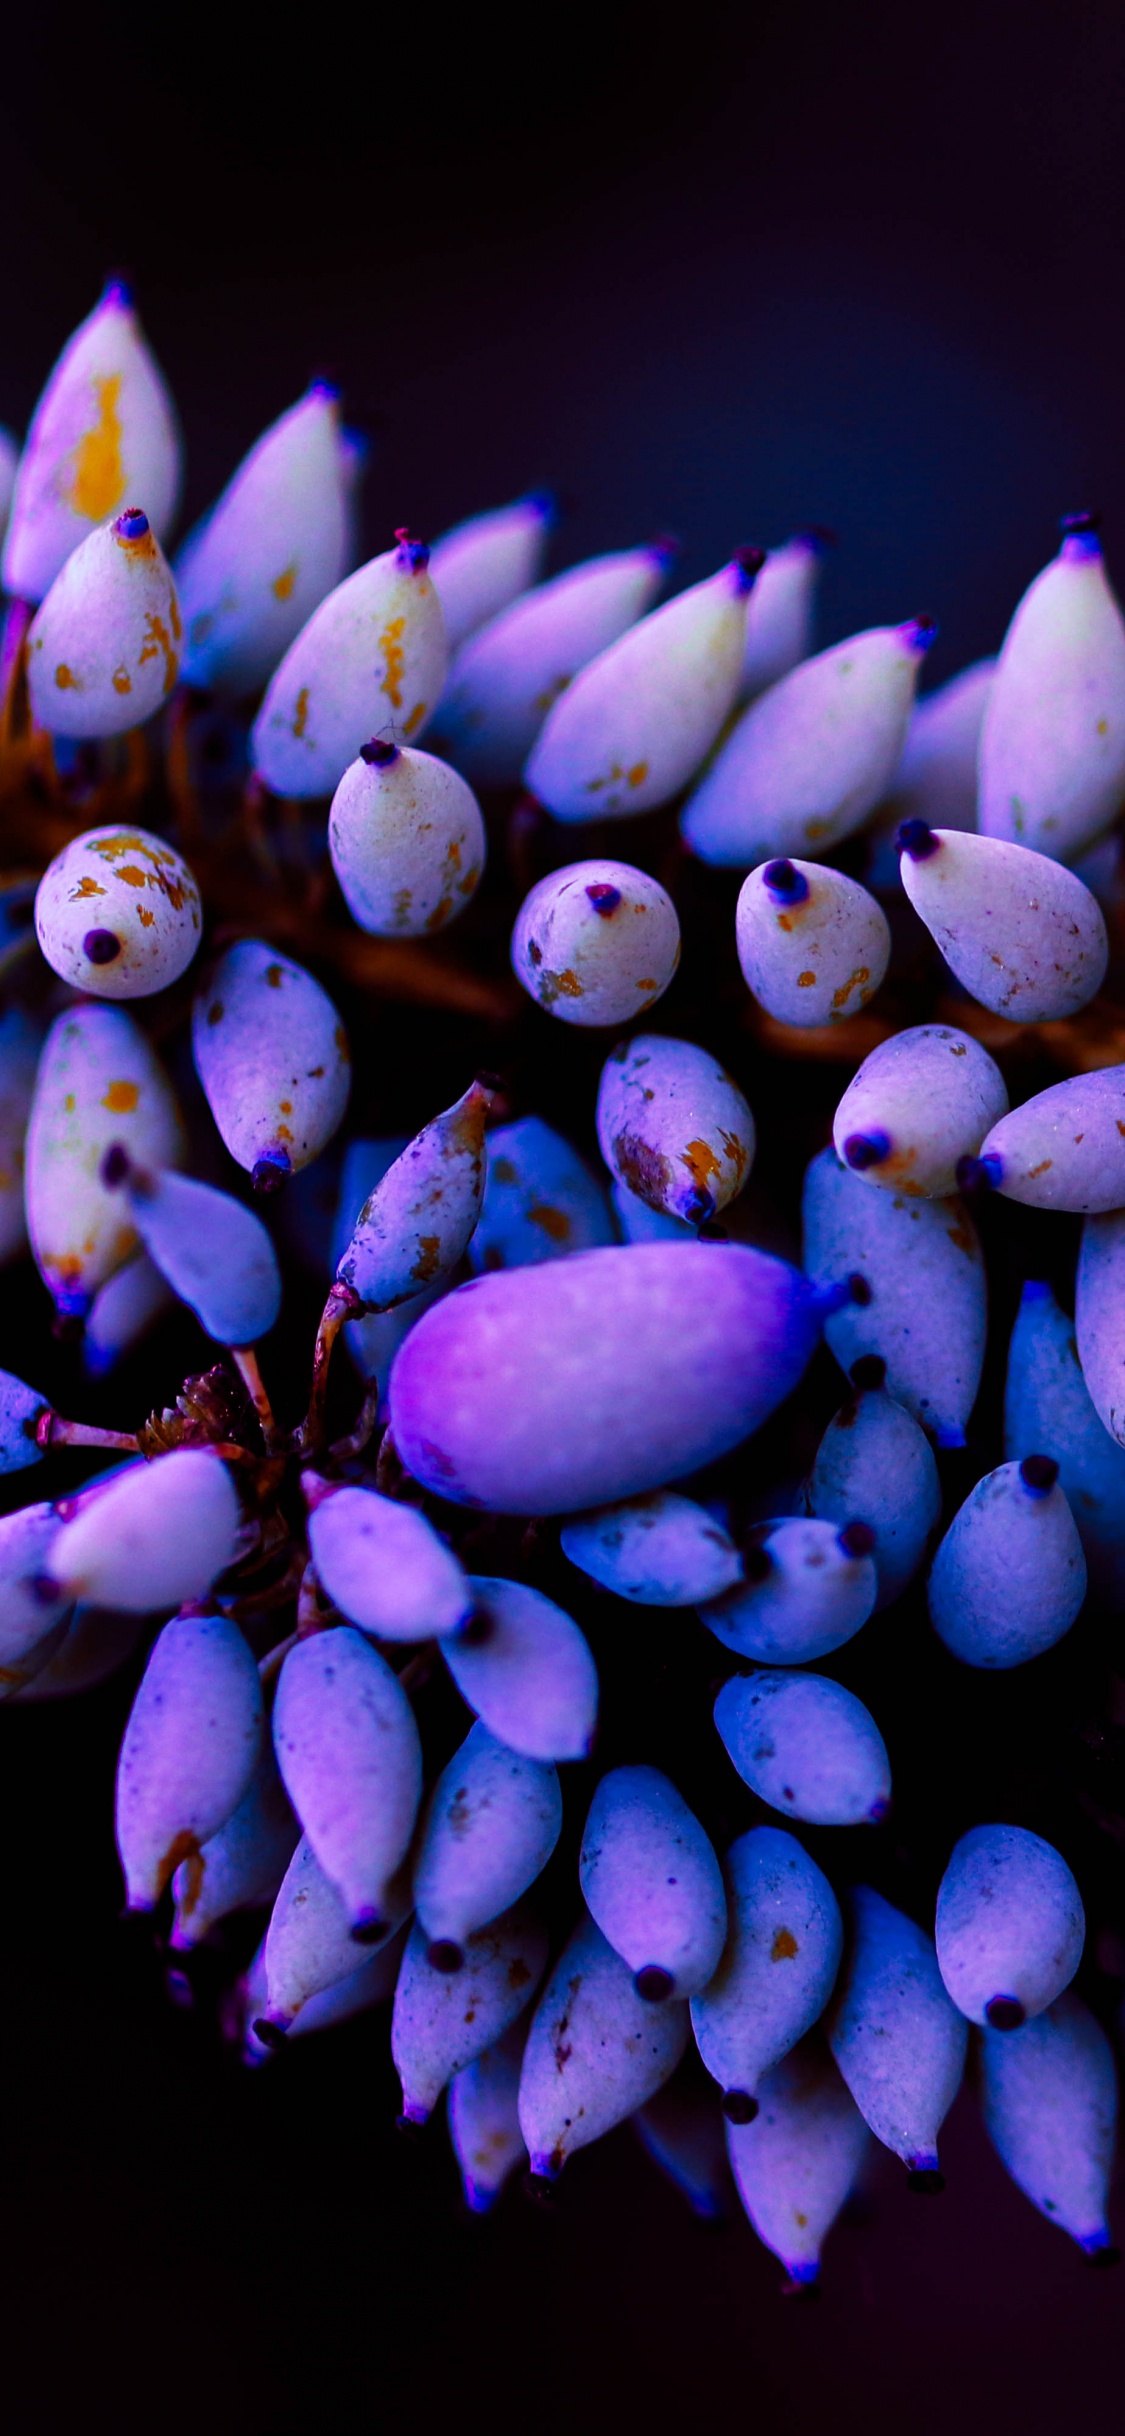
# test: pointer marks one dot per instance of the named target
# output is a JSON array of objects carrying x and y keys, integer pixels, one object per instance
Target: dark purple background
[{"x": 723, "y": 271}]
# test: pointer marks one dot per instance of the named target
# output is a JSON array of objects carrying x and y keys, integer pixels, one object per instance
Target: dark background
[{"x": 724, "y": 271}]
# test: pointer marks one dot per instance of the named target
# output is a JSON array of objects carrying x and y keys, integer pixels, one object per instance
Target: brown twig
[
  {"x": 52, "y": 1430},
  {"x": 246, "y": 1363},
  {"x": 343, "y": 1304}
]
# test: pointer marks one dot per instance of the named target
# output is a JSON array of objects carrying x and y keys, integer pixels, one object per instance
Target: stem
[
  {"x": 52, "y": 1430},
  {"x": 310, "y": 1614},
  {"x": 343, "y": 1304},
  {"x": 344, "y": 1449},
  {"x": 246, "y": 1362},
  {"x": 275, "y": 1658}
]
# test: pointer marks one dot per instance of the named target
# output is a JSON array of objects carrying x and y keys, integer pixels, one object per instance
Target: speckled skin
[
  {"x": 780, "y": 613},
  {"x": 385, "y": 1566},
  {"x": 673, "y": 1126},
  {"x": 1049, "y": 2100},
  {"x": 817, "y": 961},
  {"x": 897, "y": 2037},
  {"x": 1022, "y": 934},
  {"x": 779, "y": 1964},
  {"x": 492, "y": 1825},
  {"x": 1048, "y": 1411},
  {"x": 242, "y": 1865},
  {"x": 1052, "y": 751},
  {"x": 932, "y": 1093},
  {"x": 415, "y": 1225},
  {"x": 348, "y": 1750},
  {"x": 309, "y": 1946},
  {"x": 103, "y": 434},
  {"x": 547, "y": 1390},
  {"x": 595, "y": 2051},
  {"x": 483, "y": 565},
  {"x": 806, "y": 1746},
  {"x": 214, "y": 1252},
  {"x": 926, "y": 1315},
  {"x": 875, "y": 1465},
  {"x": 190, "y": 1749},
  {"x": 1009, "y": 1921},
  {"x": 531, "y": 1680},
  {"x": 540, "y": 1200},
  {"x": 407, "y": 843},
  {"x": 1064, "y": 1149},
  {"x": 588, "y": 966},
  {"x": 272, "y": 1056},
  {"x": 799, "y": 2159},
  {"x": 443, "y": 2020},
  {"x": 638, "y": 722},
  {"x": 651, "y": 1880},
  {"x": 1099, "y": 1317},
  {"x": 484, "y": 2123},
  {"x": 21, "y": 1042},
  {"x": 267, "y": 552},
  {"x": 506, "y": 677},
  {"x": 810, "y": 759},
  {"x": 99, "y": 1082},
  {"x": 103, "y": 651},
  {"x": 663, "y": 1550},
  {"x": 155, "y": 1535},
  {"x": 370, "y": 662},
  {"x": 1009, "y": 1577},
  {"x": 25, "y": 1615},
  {"x": 816, "y": 1596}
]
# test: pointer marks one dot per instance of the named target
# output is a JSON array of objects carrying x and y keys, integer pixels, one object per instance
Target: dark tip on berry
[
  {"x": 857, "y": 1539},
  {"x": 799, "y": 2288},
  {"x": 869, "y": 1371},
  {"x": 739, "y": 2106},
  {"x": 68, "y": 1326},
  {"x": 749, "y": 563},
  {"x": 1107, "y": 2254},
  {"x": 1039, "y": 1473},
  {"x": 880, "y": 1810},
  {"x": 411, "y": 2126},
  {"x": 544, "y": 504},
  {"x": 859, "y": 1290},
  {"x": 444, "y": 1955},
  {"x": 925, "y": 2180},
  {"x": 784, "y": 882},
  {"x": 665, "y": 548},
  {"x": 270, "y": 2033},
  {"x": 540, "y": 2188},
  {"x": 268, "y": 1174},
  {"x": 867, "y": 1149},
  {"x": 488, "y": 1082},
  {"x": 115, "y": 1166},
  {"x": 118, "y": 290},
  {"x": 132, "y": 524},
  {"x": 757, "y": 1564},
  {"x": 653, "y": 1983},
  {"x": 921, "y": 633},
  {"x": 378, "y": 752},
  {"x": 980, "y": 1175},
  {"x": 1005, "y": 2013},
  {"x": 1087, "y": 520},
  {"x": 818, "y": 538},
  {"x": 101, "y": 946},
  {"x": 415, "y": 554},
  {"x": 368, "y": 1927},
  {"x": 697, "y": 1206},
  {"x": 604, "y": 897},
  {"x": 916, "y": 838},
  {"x": 477, "y": 1628}
]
